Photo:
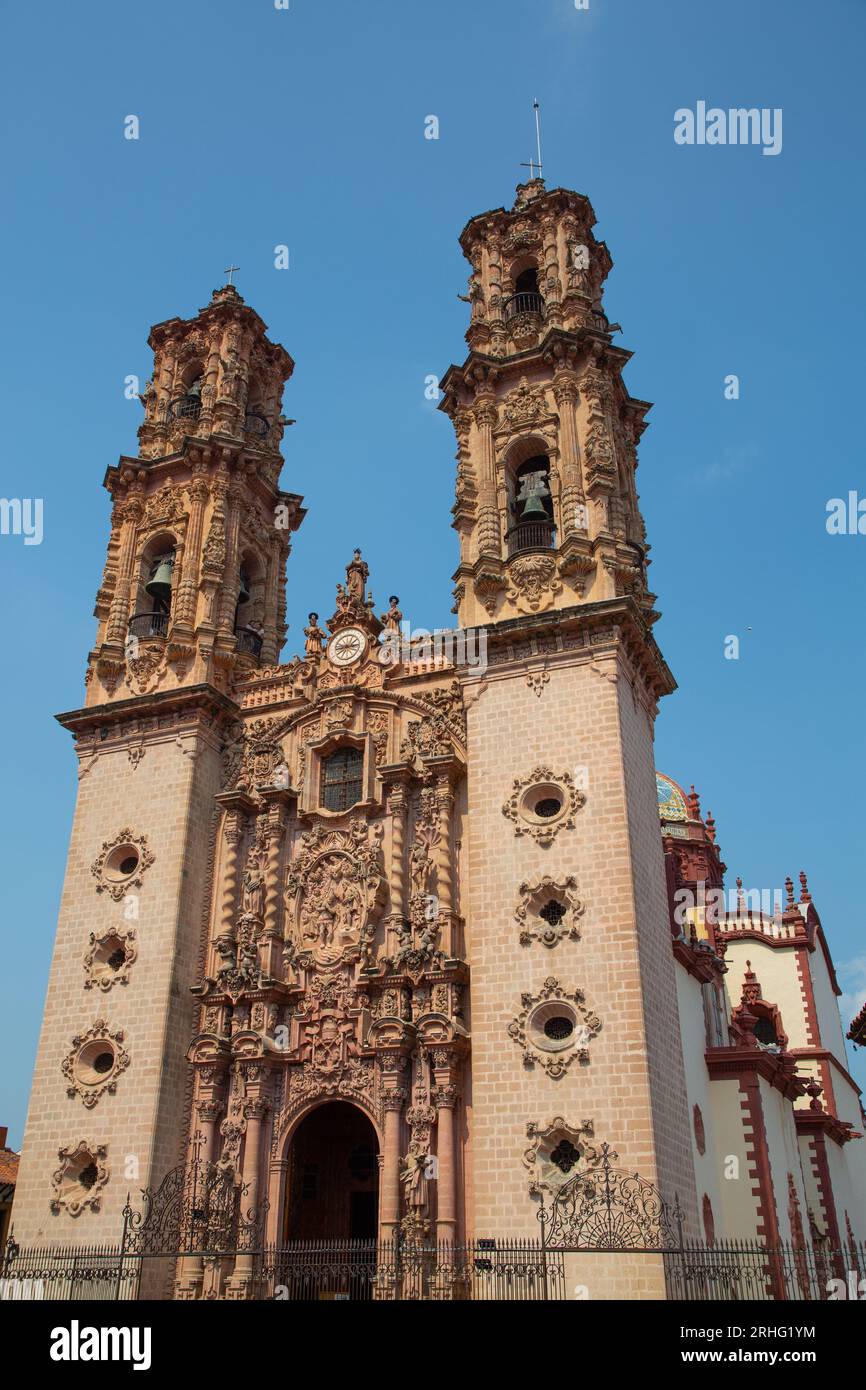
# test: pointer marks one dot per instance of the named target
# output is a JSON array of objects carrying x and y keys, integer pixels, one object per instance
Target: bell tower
[
  {"x": 575, "y": 1035},
  {"x": 191, "y": 605},
  {"x": 194, "y": 584},
  {"x": 546, "y": 506}
]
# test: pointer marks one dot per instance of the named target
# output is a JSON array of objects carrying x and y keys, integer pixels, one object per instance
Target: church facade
[{"x": 408, "y": 943}]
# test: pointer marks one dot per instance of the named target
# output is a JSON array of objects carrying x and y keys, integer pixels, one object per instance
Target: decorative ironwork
[
  {"x": 256, "y": 425},
  {"x": 489, "y": 1270},
  {"x": 531, "y": 535},
  {"x": 248, "y": 640},
  {"x": 72, "y": 1272},
  {"x": 198, "y": 1208},
  {"x": 148, "y": 625},
  {"x": 185, "y": 407},
  {"x": 522, "y": 304},
  {"x": 733, "y": 1270},
  {"x": 607, "y": 1208},
  {"x": 483, "y": 1270}
]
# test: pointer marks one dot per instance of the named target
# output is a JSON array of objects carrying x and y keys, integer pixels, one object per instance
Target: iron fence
[
  {"x": 731, "y": 1270},
  {"x": 102, "y": 1273},
  {"x": 367, "y": 1271},
  {"x": 485, "y": 1270}
]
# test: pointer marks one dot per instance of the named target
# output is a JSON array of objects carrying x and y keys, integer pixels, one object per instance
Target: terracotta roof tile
[{"x": 8, "y": 1165}]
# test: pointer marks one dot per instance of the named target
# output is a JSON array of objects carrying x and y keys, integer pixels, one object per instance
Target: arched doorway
[{"x": 333, "y": 1180}]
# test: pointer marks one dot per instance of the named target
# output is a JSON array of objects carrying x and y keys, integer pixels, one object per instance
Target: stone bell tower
[
  {"x": 546, "y": 508},
  {"x": 192, "y": 601},
  {"x": 574, "y": 1016}
]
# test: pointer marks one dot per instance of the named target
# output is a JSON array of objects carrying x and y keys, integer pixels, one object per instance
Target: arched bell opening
[
  {"x": 155, "y": 588},
  {"x": 257, "y": 420},
  {"x": 186, "y": 403},
  {"x": 526, "y": 297},
  {"x": 249, "y": 608},
  {"x": 332, "y": 1185},
  {"x": 531, "y": 516}
]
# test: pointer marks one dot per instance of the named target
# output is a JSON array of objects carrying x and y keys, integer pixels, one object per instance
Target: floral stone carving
[
  {"x": 95, "y": 1062},
  {"x": 553, "y": 1028},
  {"x": 543, "y": 803},
  {"x": 329, "y": 1048},
  {"x": 121, "y": 863},
  {"x": 549, "y": 909},
  {"x": 109, "y": 958},
  {"x": 80, "y": 1178},
  {"x": 557, "y": 1152}
]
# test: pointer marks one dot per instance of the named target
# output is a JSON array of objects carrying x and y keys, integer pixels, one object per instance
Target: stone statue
[
  {"x": 254, "y": 892},
  {"x": 315, "y": 637},
  {"x": 392, "y": 619},
  {"x": 356, "y": 577}
]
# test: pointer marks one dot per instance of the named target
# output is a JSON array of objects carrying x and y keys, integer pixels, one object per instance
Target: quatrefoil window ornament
[
  {"x": 548, "y": 910},
  {"x": 564, "y": 1156}
]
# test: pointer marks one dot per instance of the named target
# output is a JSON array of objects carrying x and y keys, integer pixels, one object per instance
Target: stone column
[
  {"x": 565, "y": 393},
  {"x": 271, "y": 943},
  {"x": 252, "y": 1227},
  {"x": 269, "y": 617},
  {"x": 389, "y": 1194},
  {"x": 233, "y": 833},
  {"x": 208, "y": 1112},
  {"x": 131, "y": 512},
  {"x": 231, "y": 573},
  {"x": 208, "y": 1109},
  {"x": 211, "y": 377},
  {"x": 445, "y": 1100},
  {"x": 237, "y": 807},
  {"x": 444, "y": 866},
  {"x": 187, "y": 595},
  {"x": 398, "y": 805},
  {"x": 489, "y": 528}
]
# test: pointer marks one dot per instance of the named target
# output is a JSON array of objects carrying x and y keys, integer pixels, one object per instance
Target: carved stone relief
[{"x": 553, "y": 1028}]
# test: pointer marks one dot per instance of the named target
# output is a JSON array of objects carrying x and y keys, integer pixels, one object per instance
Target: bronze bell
[
  {"x": 159, "y": 583},
  {"x": 244, "y": 592},
  {"x": 534, "y": 510}
]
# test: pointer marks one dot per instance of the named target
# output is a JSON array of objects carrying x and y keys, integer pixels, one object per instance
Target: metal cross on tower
[{"x": 531, "y": 164}]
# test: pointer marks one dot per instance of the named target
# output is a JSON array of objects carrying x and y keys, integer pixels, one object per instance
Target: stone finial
[
  {"x": 805, "y": 895},
  {"x": 694, "y": 804},
  {"x": 751, "y": 990},
  {"x": 711, "y": 828},
  {"x": 741, "y": 897},
  {"x": 814, "y": 1090},
  {"x": 789, "y": 889}
]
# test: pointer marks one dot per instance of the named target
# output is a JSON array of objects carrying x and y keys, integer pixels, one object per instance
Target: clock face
[{"x": 347, "y": 646}]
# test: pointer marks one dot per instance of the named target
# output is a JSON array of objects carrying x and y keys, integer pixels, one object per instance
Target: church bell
[
  {"x": 244, "y": 592},
  {"x": 159, "y": 583},
  {"x": 535, "y": 509}
]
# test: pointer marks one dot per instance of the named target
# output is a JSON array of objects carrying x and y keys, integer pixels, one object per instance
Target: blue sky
[{"x": 306, "y": 128}]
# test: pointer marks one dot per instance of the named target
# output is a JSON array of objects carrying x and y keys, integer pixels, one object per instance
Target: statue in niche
[{"x": 254, "y": 891}]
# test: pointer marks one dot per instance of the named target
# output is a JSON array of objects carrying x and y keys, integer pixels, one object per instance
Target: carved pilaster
[
  {"x": 132, "y": 513},
  {"x": 489, "y": 529},
  {"x": 186, "y": 600}
]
